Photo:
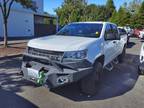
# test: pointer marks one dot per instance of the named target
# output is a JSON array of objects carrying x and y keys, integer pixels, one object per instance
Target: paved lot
[
  {"x": 16, "y": 47},
  {"x": 121, "y": 88}
]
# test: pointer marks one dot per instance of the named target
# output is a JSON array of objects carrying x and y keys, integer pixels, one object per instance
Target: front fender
[{"x": 95, "y": 51}]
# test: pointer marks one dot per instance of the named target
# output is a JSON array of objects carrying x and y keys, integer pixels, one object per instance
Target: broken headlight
[{"x": 74, "y": 55}]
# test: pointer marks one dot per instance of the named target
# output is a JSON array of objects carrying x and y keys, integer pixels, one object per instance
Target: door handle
[{"x": 114, "y": 42}]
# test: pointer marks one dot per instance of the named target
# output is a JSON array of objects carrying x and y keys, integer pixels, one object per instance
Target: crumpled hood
[{"x": 61, "y": 43}]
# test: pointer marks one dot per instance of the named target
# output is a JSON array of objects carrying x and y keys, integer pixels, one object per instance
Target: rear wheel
[
  {"x": 91, "y": 83},
  {"x": 141, "y": 69},
  {"x": 20, "y": 73}
]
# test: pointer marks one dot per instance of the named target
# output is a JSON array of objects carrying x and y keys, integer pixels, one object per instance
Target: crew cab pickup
[{"x": 77, "y": 53}]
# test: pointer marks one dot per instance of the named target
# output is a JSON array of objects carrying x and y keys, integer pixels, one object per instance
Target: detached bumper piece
[
  {"x": 52, "y": 74},
  {"x": 141, "y": 69}
]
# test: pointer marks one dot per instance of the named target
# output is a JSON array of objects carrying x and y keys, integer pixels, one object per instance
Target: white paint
[
  {"x": 1, "y": 24},
  {"x": 19, "y": 24},
  {"x": 61, "y": 43},
  {"x": 21, "y": 20}
]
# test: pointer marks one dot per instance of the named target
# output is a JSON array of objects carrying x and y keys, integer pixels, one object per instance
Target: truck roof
[{"x": 97, "y": 22}]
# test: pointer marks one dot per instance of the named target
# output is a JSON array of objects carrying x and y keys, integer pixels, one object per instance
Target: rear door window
[{"x": 115, "y": 31}]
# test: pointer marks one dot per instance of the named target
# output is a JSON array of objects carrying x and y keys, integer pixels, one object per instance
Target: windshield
[{"x": 82, "y": 30}]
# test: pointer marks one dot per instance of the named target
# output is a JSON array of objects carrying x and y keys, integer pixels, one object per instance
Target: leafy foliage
[
  {"x": 122, "y": 17},
  {"x": 110, "y": 8},
  {"x": 78, "y": 10},
  {"x": 140, "y": 16},
  {"x": 71, "y": 11}
]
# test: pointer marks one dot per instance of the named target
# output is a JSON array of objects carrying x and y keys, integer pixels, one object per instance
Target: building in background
[{"x": 26, "y": 23}]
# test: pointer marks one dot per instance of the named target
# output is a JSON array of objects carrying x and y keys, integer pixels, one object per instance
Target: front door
[{"x": 109, "y": 45}]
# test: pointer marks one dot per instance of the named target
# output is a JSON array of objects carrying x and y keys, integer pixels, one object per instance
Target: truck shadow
[
  {"x": 119, "y": 81},
  {"x": 11, "y": 84},
  {"x": 11, "y": 100},
  {"x": 131, "y": 44},
  {"x": 9, "y": 78}
]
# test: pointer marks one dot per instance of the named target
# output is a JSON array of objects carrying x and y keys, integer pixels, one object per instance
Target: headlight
[{"x": 74, "y": 55}]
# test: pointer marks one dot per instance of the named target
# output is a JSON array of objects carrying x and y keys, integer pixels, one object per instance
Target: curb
[{"x": 10, "y": 56}]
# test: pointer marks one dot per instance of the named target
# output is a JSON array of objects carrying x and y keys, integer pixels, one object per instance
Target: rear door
[{"x": 117, "y": 42}]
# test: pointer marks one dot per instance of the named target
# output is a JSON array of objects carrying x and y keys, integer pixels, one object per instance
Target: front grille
[{"x": 53, "y": 55}]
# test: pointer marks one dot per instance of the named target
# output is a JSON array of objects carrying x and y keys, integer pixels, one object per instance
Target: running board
[{"x": 109, "y": 67}]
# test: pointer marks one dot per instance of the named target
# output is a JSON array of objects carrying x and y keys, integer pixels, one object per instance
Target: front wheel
[{"x": 91, "y": 83}]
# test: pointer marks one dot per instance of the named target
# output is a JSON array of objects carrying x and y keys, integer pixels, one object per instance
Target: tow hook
[{"x": 62, "y": 80}]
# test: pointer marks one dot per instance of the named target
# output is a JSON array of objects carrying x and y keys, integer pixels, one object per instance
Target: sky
[{"x": 51, "y": 5}]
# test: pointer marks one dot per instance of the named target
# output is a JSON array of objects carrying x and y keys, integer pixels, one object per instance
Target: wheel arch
[{"x": 100, "y": 59}]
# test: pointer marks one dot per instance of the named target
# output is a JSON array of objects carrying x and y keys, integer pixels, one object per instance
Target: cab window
[
  {"x": 115, "y": 31},
  {"x": 109, "y": 34}
]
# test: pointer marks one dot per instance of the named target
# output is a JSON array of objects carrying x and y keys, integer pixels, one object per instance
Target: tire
[
  {"x": 140, "y": 70},
  {"x": 122, "y": 55},
  {"x": 20, "y": 73},
  {"x": 91, "y": 83},
  {"x": 128, "y": 38}
]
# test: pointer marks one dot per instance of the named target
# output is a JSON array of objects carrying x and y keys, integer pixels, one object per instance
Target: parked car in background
[
  {"x": 77, "y": 53},
  {"x": 129, "y": 31},
  {"x": 141, "y": 66},
  {"x": 137, "y": 32},
  {"x": 123, "y": 34}
]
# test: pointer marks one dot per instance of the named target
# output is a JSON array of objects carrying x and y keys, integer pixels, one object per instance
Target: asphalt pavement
[{"x": 120, "y": 88}]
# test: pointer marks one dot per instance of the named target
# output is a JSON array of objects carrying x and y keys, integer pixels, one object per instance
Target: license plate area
[{"x": 33, "y": 73}]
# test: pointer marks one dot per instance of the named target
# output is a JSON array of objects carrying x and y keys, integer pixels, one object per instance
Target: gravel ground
[{"x": 120, "y": 88}]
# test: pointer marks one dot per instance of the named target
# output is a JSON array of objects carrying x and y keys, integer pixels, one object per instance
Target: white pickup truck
[{"x": 77, "y": 53}]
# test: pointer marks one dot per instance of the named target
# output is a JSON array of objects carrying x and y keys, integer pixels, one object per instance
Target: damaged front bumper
[{"x": 56, "y": 73}]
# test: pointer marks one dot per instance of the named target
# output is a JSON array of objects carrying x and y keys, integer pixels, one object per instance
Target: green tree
[
  {"x": 114, "y": 17},
  {"x": 95, "y": 13},
  {"x": 90, "y": 13},
  {"x": 5, "y": 7},
  {"x": 134, "y": 6},
  {"x": 102, "y": 13},
  {"x": 141, "y": 16},
  {"x": 137, "y": 19},
  {"x": 71, "y": 11},
  {"x": 110, "y": 8},
  {"x": 123, "y": 17}
]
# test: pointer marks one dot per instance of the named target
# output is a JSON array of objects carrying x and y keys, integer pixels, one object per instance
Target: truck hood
[{"x": 61, "y": 43}]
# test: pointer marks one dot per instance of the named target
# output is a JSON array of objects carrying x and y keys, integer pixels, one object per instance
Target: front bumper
[{"x": 56, "y": 74}]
